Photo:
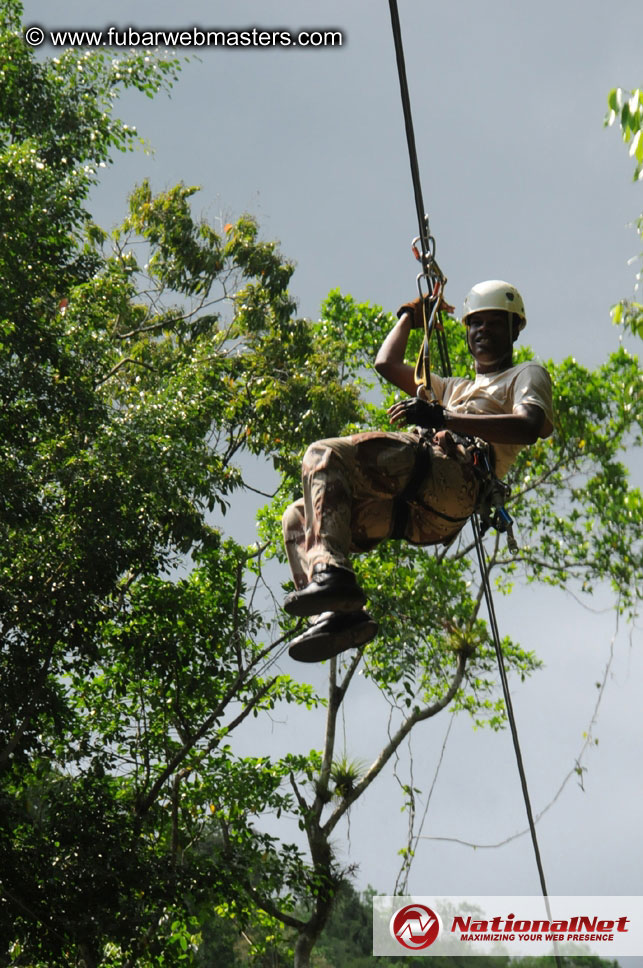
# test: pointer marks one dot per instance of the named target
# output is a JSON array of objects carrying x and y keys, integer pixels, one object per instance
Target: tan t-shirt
[{"x": 503, "y": 392}]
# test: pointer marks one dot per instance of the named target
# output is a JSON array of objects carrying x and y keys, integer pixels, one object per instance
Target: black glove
[{"x": 418, "y": 412}]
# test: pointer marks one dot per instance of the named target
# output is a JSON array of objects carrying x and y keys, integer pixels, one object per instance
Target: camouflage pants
[{"x": 351, "y": 489}]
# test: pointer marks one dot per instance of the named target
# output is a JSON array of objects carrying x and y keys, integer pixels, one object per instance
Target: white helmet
[{"x": 495, "y": 294}]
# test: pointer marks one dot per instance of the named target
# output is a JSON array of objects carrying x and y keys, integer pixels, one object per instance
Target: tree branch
[
  {"x": 352, "y": 669},
  {"x": 173, "y": 320},
  {"x": 418, "y": 716},
  {"x": 335, "y": 697},
  {"x": 271, "y": 908},
  {"x": 115, "y": 369},
  {"x": 576, "y": 770},
  {"x": 144, "y": 804}
]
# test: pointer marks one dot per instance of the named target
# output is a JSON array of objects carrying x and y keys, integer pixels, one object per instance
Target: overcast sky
[{"x": 522, "y": 182}]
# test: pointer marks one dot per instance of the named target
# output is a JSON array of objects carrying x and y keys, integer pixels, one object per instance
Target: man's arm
[
  {"x": 523, "y": 426},
  {"x": 389, "y": 361}
]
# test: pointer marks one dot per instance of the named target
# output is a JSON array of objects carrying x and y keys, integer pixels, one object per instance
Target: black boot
[
  {"x": 331, "y": 589},
  {"x": 332, "y": 633}
]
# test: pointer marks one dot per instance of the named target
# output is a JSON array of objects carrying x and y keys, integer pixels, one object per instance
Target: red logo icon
[{"x": 415, "y": 926}]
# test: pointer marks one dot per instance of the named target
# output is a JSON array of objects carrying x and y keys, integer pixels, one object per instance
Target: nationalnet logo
[
  {"x": 516, "y": 926},
  {"x": 415, "y": 926}
]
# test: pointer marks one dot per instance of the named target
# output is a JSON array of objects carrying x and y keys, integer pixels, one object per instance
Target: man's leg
[
  {"x": 334, "y": 587},
  {"x": 293, "y": 524},
  {"x": 349, "y": 489},
  {"x": 333, "y": 632},
  {"x": 350, "y": 485},
  {"x": 322, "y": 551}
]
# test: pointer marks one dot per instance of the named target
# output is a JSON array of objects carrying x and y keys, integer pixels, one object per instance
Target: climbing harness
[
  {"x": 491, "y": 507},
  {"x": 401, "y": 508},
  {"x": 493, "y": 496}
]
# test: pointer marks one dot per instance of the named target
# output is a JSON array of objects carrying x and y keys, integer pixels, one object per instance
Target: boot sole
[
  {"x": 326, "y": 600},
  {"x": 325, "y": 646}
]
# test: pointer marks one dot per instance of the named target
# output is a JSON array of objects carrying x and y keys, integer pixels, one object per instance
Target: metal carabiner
[{"x": 428, "y": 258}]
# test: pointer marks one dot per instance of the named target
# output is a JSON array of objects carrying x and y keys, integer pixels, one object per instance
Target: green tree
[{"x": 124, "y": 363}]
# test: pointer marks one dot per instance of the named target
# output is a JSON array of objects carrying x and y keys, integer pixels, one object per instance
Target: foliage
[
  {"x": 626, "y": 107},
  {"x": 576, "y": 504},
  {"x": 124, "y": 368}
]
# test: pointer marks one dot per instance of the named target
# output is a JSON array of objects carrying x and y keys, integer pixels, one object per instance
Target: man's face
[{"x": 490, "y": 338}]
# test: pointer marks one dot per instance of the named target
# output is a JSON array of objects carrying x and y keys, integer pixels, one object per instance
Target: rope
[
  {"x": 410, "y": 136},
  {"x": 432, "y": 272},
  {"x": 507, "y": 696}
]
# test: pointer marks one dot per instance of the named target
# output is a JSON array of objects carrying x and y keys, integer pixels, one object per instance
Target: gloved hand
[
  {"x": 414, "y": 309},
  {"x": 418, "y": 412}
]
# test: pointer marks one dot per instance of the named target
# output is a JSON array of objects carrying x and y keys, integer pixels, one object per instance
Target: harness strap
[
  {"x": 491, "y": 494},
  {"x": 410, "y": 491}
]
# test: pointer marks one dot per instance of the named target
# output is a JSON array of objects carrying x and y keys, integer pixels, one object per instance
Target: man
[{"x": 420, "y": 485}]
